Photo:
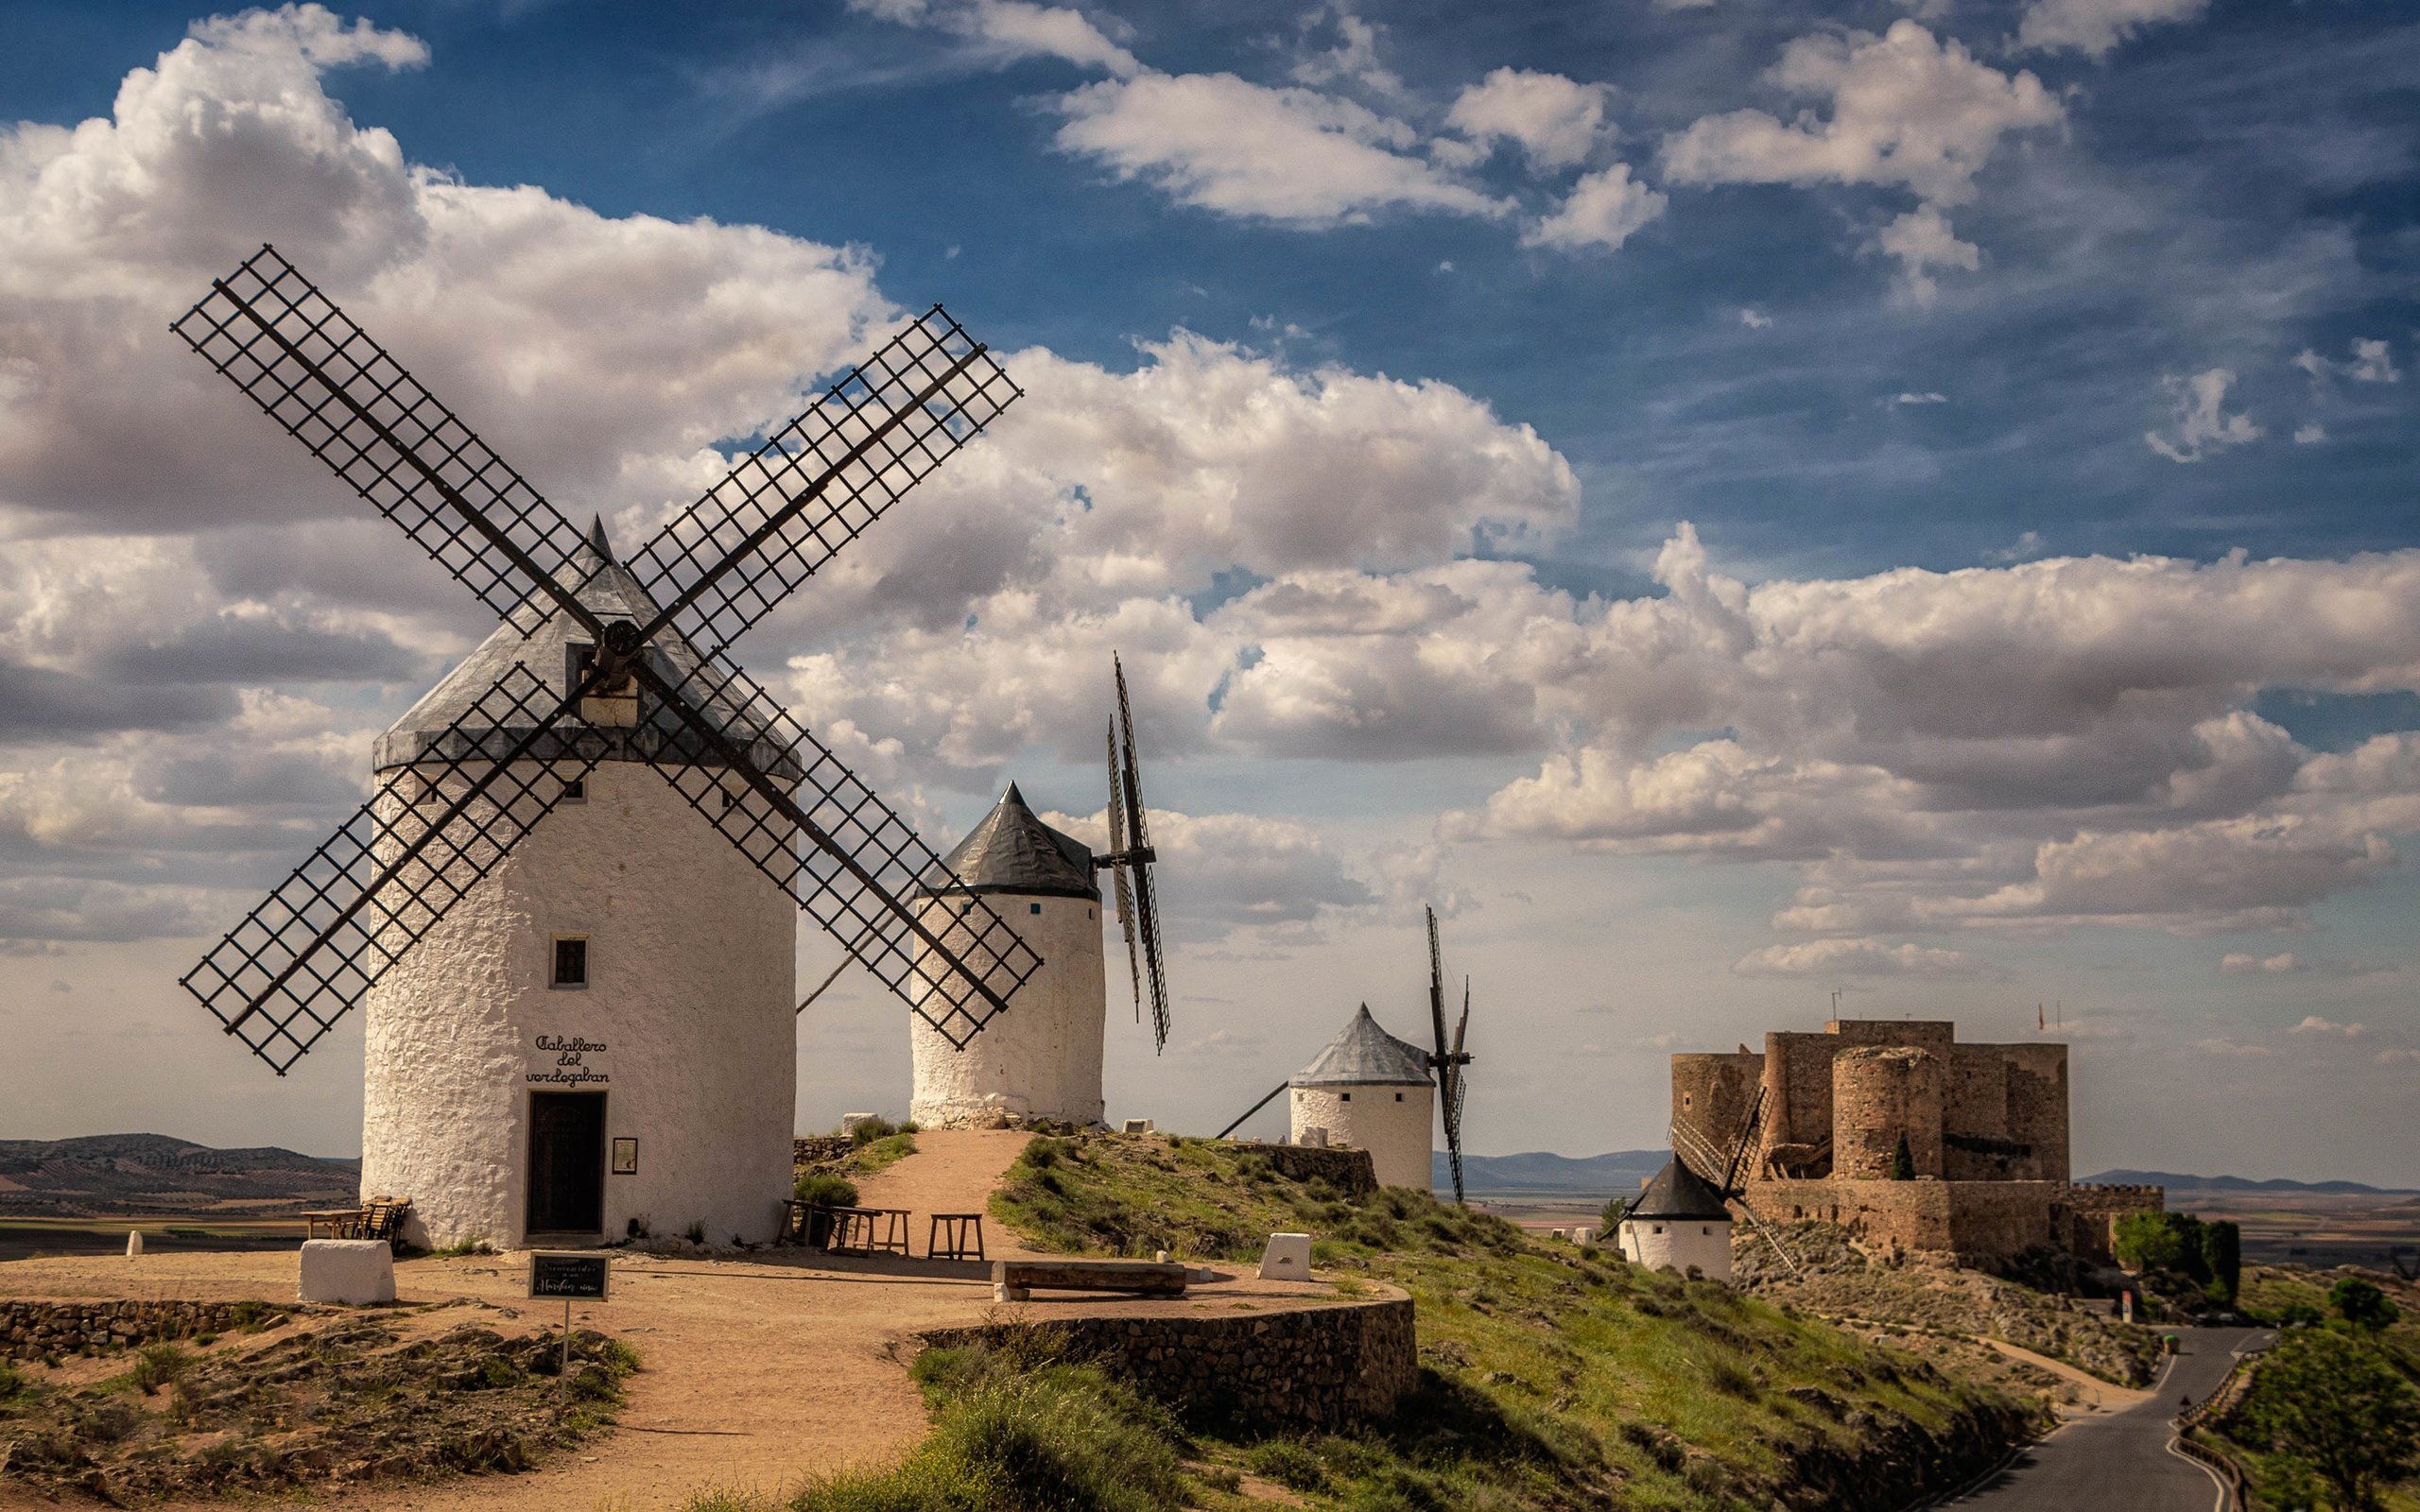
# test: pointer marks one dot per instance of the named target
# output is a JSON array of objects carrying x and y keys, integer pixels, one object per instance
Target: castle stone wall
[
  {"x": 1712, "y": 1092},
  {"x": 1879, "y": 1094},
  {"x": 1976, "y": 1221}
]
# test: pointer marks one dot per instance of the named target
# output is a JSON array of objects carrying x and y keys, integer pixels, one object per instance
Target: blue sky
[{"x": 2035, "y": 381}]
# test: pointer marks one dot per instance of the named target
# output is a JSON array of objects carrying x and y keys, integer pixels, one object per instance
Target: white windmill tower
[
  {"x": 1370, "y": 1091},
  {"x": 578, "y": 1025},
  {"x": 1045, "y": 1061}
]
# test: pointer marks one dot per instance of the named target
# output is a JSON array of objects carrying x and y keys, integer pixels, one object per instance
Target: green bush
[
  {"x": 13, "y": 1383},
  {"x": 2336, "y": 1403},
  {"x": 1289, "y": 1462},
  {"x": 1014, "y": 1436},
  {"x": 2361, "y": 1304},
  {"x": 160, "y": 1364},
  {"x": 826, "y": 1190},
  {"x": 1903, "y": 1161},
  {"x": 878, "y": 1128}
]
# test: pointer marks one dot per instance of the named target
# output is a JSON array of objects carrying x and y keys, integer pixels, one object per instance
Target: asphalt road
[{"x": 2121, "y": 1462}]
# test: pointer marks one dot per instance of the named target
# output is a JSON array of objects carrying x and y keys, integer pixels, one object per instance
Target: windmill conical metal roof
[
  {"x": 1012, "y": 850},
  {"x": 543, "y": 638},
  {"x": 1678, "y": 1193},
  {"x": 1365, "y": 1055}
]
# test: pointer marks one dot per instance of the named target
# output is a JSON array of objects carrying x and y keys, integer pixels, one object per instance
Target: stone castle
[{"x": 1983, "y": 1129}]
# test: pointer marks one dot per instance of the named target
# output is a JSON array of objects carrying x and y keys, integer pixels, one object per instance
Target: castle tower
[
  {"x": 1680, "y": 1220},
  {"x": 1371, "y": 1091},
  {"x": 1042, "y": 1058},
  {"x": 600, "y": 1033}
]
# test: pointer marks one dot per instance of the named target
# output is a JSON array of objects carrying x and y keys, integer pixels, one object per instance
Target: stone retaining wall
[
  {"x": 820, "y": 1149},
  {"x": 29, "y": 1331},
  {"x": 1326, "y": 1367},
  {"x": 1348, "y": 1171}
]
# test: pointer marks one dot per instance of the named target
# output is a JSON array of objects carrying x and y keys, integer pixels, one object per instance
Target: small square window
[
  {"x": 571, "y": 961},
  {"x": 575, "y": 790},
  {"x": 1659, "y": 1227},
  {"x": 1398, "y": 1097},
  {"x": 1344, "y": 1097},
  {"x": 728, "y": 799},
  {"x": 1033, "y": 908}
]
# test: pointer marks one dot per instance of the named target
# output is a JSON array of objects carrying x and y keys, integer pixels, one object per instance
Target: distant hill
[
  {"x": 112, "y": 1175},
  {"x": 1602, "y": 1176},
  {"x": 2178, "y": 1181}
]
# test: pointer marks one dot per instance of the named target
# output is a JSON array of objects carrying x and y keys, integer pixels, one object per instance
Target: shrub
[
  {"x": 696, "y": 1232},
  {"x": 1290, "y": 1463},
  {"x": 2361, "y": 1304},
  {"x": 826, "y": 1190},
  {"x": 160, "y": 1364},
  {"x": 875, "y": 1128},
  {"x": 12, "y": 1384},
  {"x": 1903, "y": 1161},
  {"x": 2336, "y": 1402},
  {"x": 1017, "y": 1435}
]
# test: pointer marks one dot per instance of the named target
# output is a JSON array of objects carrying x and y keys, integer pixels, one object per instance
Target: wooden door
[{"x": 567, "y": 1163}]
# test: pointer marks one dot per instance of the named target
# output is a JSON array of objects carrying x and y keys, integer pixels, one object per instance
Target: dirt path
[
  {"x": 2097, "y": 1395},
  {"x": 757, "y": 1373},
  {"x": 952, "y": 1170}
]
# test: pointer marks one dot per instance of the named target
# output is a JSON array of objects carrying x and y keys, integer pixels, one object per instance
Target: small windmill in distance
[
  {"x": 1046, "y": 1062},
  {"x": 1726, "y": 1170}
]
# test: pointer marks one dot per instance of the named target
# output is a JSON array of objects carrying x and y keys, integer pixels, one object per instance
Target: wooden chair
[{"x": 383, "y": 1218}]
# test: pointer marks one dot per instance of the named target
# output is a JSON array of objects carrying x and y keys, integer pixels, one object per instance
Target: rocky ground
[
  {"x": 351, "y": 1398},
  {"x": 1941, "y": 1311}
]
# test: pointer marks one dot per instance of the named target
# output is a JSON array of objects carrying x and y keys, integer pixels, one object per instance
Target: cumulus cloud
[
  {"x": 1858, "y": 959},
  {"x": 2373, "y": 362},
  {"x": 2310, "y": 435},
  {"x": 1602, "y": 210},
  {"x": 2202, "y": 426},
  {"x": 2095, "y": 28},
  {"x": 1555, "y": 121},
  {"x": 1906, "y": 110},
  {"x": 2110, "y": 774},
  {"x": 1295, "y": 156},
  {"x": 2314, "y": 1024},
  {"x": 1755, "y": 320}
]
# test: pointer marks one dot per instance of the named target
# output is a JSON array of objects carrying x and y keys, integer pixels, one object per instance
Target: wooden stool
[{"x": 955, "y": 1236}]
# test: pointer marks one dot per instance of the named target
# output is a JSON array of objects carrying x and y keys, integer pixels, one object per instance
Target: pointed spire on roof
[
  {"x": 1365, "y": 1055},
  {"x": 1012, "y": 850},
  {"x": 597, "y": 541},
  {"x": 1678, "y": 1191}
]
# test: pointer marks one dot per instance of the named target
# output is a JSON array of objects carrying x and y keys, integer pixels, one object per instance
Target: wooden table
[{"x": 341, "y": 1222}]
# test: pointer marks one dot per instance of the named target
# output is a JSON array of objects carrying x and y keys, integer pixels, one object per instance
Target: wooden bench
[
  {"x": 383, "y": 1218},
  {"x": 866, "y": 1232},
  {"x": 1013, "y": 1281}
]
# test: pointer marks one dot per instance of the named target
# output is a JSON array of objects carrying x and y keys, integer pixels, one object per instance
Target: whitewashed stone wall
[
  {"x": 1392, "y": 1123},
  {"x": 1681, "y": 1242},
  {"x": 687, "y": 1026},
  {"x": 1042, "y": 1058}
]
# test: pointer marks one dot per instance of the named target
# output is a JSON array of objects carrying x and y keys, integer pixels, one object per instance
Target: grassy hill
[{"x": 1553, "y": 1377}]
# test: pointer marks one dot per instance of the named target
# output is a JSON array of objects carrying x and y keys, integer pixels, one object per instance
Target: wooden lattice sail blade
[
  {"x": 316, "y": 373},
  {"x": 430, "y": 832},
  {"x": 819, "y": 482},
  {"x": 1121, "y": 889},
  {"x": 856, "y": 866}
]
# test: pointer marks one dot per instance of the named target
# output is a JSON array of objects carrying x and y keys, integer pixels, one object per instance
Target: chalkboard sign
[{"x": 568, "y": 1273}]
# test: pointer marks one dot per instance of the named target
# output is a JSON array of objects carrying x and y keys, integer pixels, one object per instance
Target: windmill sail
[
  {"x": 307, "y": 954},
  {"x": 1130, "y": 851},
  {"x": 302, "y": 958}
]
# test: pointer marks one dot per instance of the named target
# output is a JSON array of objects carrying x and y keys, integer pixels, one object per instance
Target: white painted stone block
[
  {"x": 1287, "y": 1259},
  {"x": 1138, "y": 1125},
  {"x": 1313, "y": 1137},
  {"x": 1583, "y": 1235},
  {"x": 849, "y": 1122},
  {"x": 133, "y": 1243},
  {"x": 1560, "y": 1233},
  {"x": 351, "y": 1271}
]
